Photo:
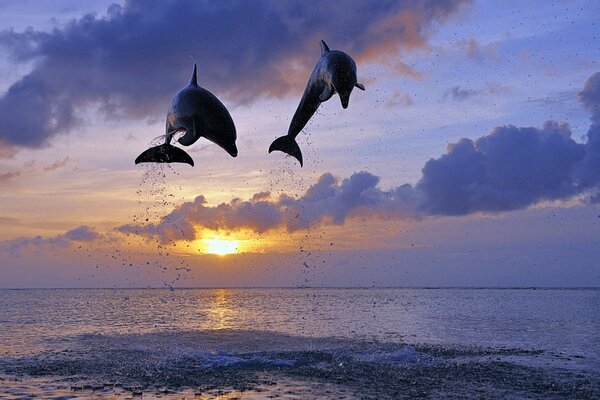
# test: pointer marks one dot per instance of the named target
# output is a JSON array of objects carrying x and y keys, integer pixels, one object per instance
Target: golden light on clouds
[{"x": 222, "y": 243}]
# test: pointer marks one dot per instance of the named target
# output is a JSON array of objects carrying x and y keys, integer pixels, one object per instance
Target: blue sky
[{"x": 436, "y": 72}]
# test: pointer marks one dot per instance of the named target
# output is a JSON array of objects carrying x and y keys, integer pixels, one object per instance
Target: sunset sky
[{"x": 472, "y": 158}]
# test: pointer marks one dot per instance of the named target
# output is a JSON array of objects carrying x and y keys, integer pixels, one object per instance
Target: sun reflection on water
[{"x": 219, "y": 311}]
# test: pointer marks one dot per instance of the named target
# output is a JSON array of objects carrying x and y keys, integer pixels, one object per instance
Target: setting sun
[{"x": 221, "y": 246}]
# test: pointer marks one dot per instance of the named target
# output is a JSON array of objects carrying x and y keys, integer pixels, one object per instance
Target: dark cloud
[
  {"x": 513, "y": 168},
  {"x": 508, "y": 169},
  {"x": 458, "y": 94},
  {"x": 589, "y": 170},
  {"x": 15, "y": 247},
  {"x": 590, "y": 96},
  {"x": 131, "y": 61}
]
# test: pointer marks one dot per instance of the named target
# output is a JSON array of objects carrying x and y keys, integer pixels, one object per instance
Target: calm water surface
[{"x": 300, "y": 343}]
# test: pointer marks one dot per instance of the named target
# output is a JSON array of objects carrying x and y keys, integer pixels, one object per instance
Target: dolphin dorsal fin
[
  {"x": 324, "y": 48},
  {"x": 194, "y": 78}
]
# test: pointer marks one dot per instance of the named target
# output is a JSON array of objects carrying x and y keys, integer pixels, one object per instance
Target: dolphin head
[
  {"x": 226, "y": 140},
  {"x": 343, "y": 84},
  {"x": 343, "y": 75},
  {"x": 231, "y": 148}
]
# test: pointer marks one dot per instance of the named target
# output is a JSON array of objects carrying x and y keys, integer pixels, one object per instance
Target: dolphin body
[
  {"x": 198, "y": 113},
  {"x": 334, "y": 73}
]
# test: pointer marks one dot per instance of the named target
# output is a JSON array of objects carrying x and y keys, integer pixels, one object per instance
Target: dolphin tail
[
  {"x": 165, "y": 153},
  {"x": 288, "y": 145}
]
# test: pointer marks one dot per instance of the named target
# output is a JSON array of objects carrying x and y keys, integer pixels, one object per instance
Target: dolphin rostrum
[
  {"x": 334, "y": 73},
  {"x": 197, "y": 112}
]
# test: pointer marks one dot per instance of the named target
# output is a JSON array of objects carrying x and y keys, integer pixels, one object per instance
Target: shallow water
[{"x": 300, "y": 343}]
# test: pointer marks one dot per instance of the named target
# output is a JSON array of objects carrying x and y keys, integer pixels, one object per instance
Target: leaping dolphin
[
  {"x": 334, "y": 73},
  {"x": 197, "y": 112}
]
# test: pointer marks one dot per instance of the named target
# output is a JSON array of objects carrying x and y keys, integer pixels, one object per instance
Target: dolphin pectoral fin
[
  {"x": 324, "y": 48},
  {"x": 191, "y": 134},
  {"x": 165, "y": 153},
  {"x": 326, "y": 94},
  {"x": 289, "y": 146},
  {"x": 187, "y": 139},
  {"x": 360, "y": 86}
]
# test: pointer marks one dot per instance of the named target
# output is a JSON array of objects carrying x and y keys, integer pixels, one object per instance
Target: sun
[{"x": 221, "y": 247}]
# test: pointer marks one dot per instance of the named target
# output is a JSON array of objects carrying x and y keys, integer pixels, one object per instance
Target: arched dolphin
[
  {"x": 334, "y": 73},
  {"x": 197, "y": 112}
]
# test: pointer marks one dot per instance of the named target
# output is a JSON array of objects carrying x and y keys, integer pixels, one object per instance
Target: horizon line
[{"x": 173, "y": 288}]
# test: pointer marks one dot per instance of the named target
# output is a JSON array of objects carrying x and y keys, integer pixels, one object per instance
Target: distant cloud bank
[
  {"x": 78, "y": 235},
  {"x": 130, "y": 62}
]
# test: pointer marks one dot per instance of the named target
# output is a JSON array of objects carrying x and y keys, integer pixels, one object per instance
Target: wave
[{"x": 246, "y": 362}]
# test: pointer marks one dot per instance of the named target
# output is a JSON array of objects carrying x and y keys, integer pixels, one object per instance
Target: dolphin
[
  {"x": 197, "y": 112},
  {"x": 334, "y": 73}
]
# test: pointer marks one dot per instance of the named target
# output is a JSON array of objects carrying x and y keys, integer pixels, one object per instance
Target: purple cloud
[
  {"x": 82, "y": 234},
  {"x": 459, "y": 94},
  {"x": 132, "y": 61},
  {"x": 589, "y": 169},
  {"x": 508, "y": 169}
]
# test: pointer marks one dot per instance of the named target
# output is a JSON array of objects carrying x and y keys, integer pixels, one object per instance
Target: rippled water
[{"x": 300, "y": 343}]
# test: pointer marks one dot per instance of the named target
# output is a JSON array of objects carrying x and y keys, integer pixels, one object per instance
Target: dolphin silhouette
[
  {"x": 198, "y": 113},
  {"x": 334, "y": 73}
]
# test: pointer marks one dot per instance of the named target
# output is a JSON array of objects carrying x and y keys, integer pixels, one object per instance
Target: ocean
[{"x": 300, "y": 343}]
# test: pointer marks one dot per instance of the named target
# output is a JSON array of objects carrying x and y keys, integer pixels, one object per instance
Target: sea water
[{"x": 300, "y": 343}]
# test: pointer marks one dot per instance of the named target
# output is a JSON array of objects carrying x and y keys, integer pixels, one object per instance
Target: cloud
[
  {"x": 590, "y": 96},
  {"x": 589, "y": 170},
  {"x": 328, "y": 201},
  {"x": 508, "y": 169},
  {"x": 511, "y": 168},
  {"x": 399, "y": 99},
  {"x": 478, "y": 52},
  {"x": 458, "y": 94},
  {"x": 80, "y": 234},
  {"x": 31, "y": 168},
  {"x": 6, "y": 177},
  {"x": 59, "y": 164},
  {"x": 130, "y": 62}
]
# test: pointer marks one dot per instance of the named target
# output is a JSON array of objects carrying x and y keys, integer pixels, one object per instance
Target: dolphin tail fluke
[
  {"x": 288, "y": 145},
  {"x": 165, "y": 153}
]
